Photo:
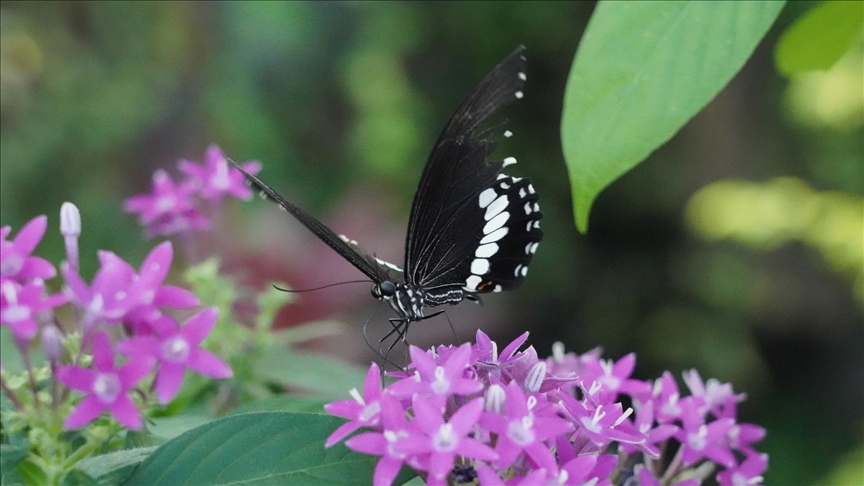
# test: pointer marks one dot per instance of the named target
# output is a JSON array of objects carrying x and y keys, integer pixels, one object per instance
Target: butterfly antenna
[
  {"x": 452, "y": 329},
  {"x": 291, "y": 291}
]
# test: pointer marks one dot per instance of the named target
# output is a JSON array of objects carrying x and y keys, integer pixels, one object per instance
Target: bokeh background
[{"x": 736, "y": 248}]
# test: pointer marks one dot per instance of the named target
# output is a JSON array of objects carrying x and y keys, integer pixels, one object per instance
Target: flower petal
[
  {"x": 207, "y": 363},
  {"x": 341, "y": 432},
  {"x": 89, "y": 408},
  {"x": 199, "y": 326},
  {"x": 139, "y": 346},
  {"x": 168, "y": 381},
  {"x": 171, "y": 296},
  {"x": 31, "y": 234},
  {"x": 125, "y": 411},
  {"x": 103, "y": 353},
  {"x": 76, "y": 378},
  {"x": 134, "y": 371},
  {"x": 35, "y": 267}
]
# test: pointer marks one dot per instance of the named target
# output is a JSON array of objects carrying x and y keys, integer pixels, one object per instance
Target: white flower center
[
  {"x": 370, "y": 411},
  {"x": 520, "y": 431},
  {"x": 11, "y": 265},
  {"x": 441, "y": 384},
  {"x": 392, "y": 438},
  {"x": 107, "y": 387},
  {"x": 175, "y": 350},
  {"x": 16, "y": 313},
  {"x": 166, "y": 203},
  {"x": 445, "y": 440},
  {"x": 697, "y": 441}
]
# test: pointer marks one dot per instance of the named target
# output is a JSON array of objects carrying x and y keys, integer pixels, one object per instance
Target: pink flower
[
  {"x": 16, "y": 260},
  {"x": 747, "y": 473},
  {"x": 118, "y": 293},
  {"x": 363, "y": 411},
  {"x": 176, "y": 349},
  {"x": 392, "y": 444},
  {"x": 106, "y": 386},
  {"x": 438, "y": 380},
  {"x": 169, "y": 209},
  {"x": 521, "y": 430},
  {"x": 215, "y": 178},
  {"x": 602, "y": 423},
  {"x": 699, "y": 439},
  {"x": 615, "y": 378},
  {"x": 442, "y": 441},
  {"x": 21, "y": 304}
]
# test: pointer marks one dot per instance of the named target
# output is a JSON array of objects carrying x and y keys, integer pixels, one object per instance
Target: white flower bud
[{"x": 70, "y": 220}]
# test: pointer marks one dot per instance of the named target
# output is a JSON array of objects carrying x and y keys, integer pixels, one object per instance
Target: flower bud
[
  {"x": 535, "y": 377},
  {"x": 70, "y": 228},
  {"x": 52, "y": 343},
  {"x": 70, "y": 220},
  {"x": 494, "y": 399}
]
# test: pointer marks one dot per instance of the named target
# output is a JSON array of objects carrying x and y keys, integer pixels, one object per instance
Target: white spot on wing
[
  {"x": 522, "y": 76},
  {"x": 495, "y": 235},
  {"x": 509, "y": 161},
  {"x": 508, "y": 134},
  {"x": 522, "y": 192},
  {"x": 496, "y": 207},
  {"x": 487, "y": 196},
  {"x": 517, "y": 270},
  {"x": 524, "y": 271},
  {"x": 480, "y": 266},
  {"x": 486, "y": 251},
  {"x": 497, "y": 288},
  {"x": 527, "y": 208},
  {"x": 472, "y": 282},
  {"x": 531, "y": 188},
  {"x": 496, "y": 222},
  {"x": 519, "y": 95}
]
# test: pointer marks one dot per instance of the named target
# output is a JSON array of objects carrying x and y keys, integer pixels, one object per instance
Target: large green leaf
[
  {"x": 114, "y": 467},
  {"x": 256, "y": 449},
  {"x": 643, "y": 69},
  {"x": 820, "y": 37}
]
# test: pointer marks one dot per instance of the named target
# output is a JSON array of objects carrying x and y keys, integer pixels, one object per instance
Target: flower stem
[
  {"x": 674, "y": 467},
  {"x": 11, "y": 395},
  {"x": 31, "y": 378}
]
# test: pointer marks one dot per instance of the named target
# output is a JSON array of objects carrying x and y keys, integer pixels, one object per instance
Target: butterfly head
[{"x": 384, "y": 290}]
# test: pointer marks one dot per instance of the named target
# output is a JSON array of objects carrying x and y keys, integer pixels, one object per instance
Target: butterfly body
[{"x": 472, "y": 229}]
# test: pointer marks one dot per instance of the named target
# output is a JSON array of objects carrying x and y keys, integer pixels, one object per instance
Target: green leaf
[
  {"x": 819, "y": 38},
  {"x": 284, "y": 403},
  {"x": 11, "y": 456},
  {"x": 255, "y": 449},
  {"x": 643, "y": 69},
  {"x": 77, "y": 477},
  {"x": 314, "y": 372},
  {"x": 114, "y": 467},
  {"x": 31, "y": 474}
]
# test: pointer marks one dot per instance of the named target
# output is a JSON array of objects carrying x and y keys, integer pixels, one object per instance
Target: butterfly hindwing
[{"x": 447, "y": 237}]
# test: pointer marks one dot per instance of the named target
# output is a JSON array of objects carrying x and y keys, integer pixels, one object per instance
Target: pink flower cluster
[
  {"x": 176, "y": 208},
  {"x": 120, "y": 296},
  {"x": 459, "y": 414}
]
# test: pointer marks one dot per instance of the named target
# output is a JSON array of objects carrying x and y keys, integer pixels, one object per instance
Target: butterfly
[{"x": 472, "y": 229}]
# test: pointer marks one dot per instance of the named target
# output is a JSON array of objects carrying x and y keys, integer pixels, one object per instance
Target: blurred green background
[{"x": 736, "y": 248}]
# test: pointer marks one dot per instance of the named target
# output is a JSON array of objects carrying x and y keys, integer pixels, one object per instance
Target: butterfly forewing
[
  {"x": 456, "y": 234},
  {"x": 377, "y": 270}
]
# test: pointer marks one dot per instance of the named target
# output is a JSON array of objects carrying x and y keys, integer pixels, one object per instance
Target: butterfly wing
[
  {"x": 470, "y": 225},
  {"x": 376, "y": 269}
]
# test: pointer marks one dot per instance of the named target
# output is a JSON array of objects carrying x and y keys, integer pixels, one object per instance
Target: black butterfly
[{"x": 472, "y": 229}]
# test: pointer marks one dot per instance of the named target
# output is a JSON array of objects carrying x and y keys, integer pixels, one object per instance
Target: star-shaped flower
[
  {"x": 106, "y": 386},
  {"x": 215, "y": 178},
  {"x": 438, "y": 380},
  {"x": 169, "y": 209},
  {"x": 16, "y": 260},
  {"x": 362, "y": 411},
  {"x": 176, "y": 348},
  {"x": 21, "y": 304}
]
